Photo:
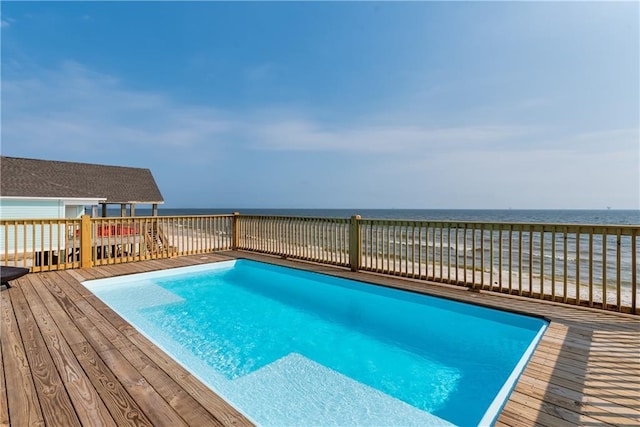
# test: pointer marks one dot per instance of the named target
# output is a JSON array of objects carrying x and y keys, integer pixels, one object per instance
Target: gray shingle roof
[{"x": 46, "y": 178}]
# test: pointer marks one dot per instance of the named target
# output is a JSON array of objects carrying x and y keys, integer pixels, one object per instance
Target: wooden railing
[
  {"x": 58, "y": 244},
  {"x": 590, "y": 265},
  {"x": 156, "y": 237},
  {"x": 40, "y": 244},
  {"x": 323, "y": 240}
]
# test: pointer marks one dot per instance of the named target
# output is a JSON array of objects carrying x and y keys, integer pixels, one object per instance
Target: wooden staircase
[{"x": 155, "y": 240}]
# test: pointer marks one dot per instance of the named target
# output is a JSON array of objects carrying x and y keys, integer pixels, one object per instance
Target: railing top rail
[
  {"x": 113, "y": 218},
  {"x": 38, "y": 220},
  {"x": 626, "y": 229},
  {"x": 506, "y": 225},
  {"x": 315, "y": 218}
]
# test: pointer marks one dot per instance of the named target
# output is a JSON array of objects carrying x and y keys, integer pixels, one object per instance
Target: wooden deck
[{"x": 67, "y": 359}]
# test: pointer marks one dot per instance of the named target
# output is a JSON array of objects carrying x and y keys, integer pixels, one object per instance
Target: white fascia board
[
  {"x": 65, "y": 200},
  {"x": 140, "y": 203},
  {"x": 82, "y": 201}
]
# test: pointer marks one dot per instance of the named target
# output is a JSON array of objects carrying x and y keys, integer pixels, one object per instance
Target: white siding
[
  {"x": 29, "y": 209},
  {"x": 16, "y": 239}
]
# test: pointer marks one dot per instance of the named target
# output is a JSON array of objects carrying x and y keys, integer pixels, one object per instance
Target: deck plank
[
  {"x": 511, "y": 419},
  {"x": 584, "y": 372},
  {"x": 596, "y": 407},
  {"x": 158, "y": 410},
  {"x": 55, "y": 403},
  {"x": 124, "y": 409},
  {"x": 89, "y": 407},
  {"x": 4, "y": 406},
  {"x": 22, "y": 399}
]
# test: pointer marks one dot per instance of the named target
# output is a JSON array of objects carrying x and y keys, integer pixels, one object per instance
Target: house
[{"x": 32, "y": 189}]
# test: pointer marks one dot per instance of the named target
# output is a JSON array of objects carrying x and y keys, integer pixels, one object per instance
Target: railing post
[
  {"x": 235, "y": 238},
  {"x": 85, "y": 242},
  {"x": 355, "y": 251}
]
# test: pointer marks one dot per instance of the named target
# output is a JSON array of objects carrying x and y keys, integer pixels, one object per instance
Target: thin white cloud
[
  {"x": 609, "y": 140},
  {"x": 300, "y": 135},
  {"x": 73, "y": 108},
  {"x": 73, "y": 113},
  {"x": 541, "y": 177}
]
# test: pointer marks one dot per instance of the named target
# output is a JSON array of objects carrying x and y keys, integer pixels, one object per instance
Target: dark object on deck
[{"x": 11, "y": 273}]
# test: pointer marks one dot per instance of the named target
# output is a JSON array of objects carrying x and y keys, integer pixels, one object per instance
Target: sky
[{"x": 425, "y": 105}]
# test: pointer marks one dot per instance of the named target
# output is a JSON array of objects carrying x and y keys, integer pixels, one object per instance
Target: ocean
[{"x": 613, "y": 217}]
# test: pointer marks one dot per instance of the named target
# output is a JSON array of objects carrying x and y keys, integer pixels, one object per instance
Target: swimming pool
[{"x": 290, "y": 347}]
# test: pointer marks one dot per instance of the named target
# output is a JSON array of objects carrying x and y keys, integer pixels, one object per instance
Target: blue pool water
[{"x": 288, "y": 347}]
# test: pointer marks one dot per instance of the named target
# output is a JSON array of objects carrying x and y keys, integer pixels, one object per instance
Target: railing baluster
[
  {"x": 464, "y": 249},
  {"x": 565, "y": 265},
  {"x": 473, "y": 257},
  {"x": 457, "y": 229},
  {"x": 541, "y": 238},
  {"x": 377, "y": 248},
  {"x": 531, "y": 237},
  {"x": 553, "y": 264},
  {"x": 406, "y": 248},
  {"x": 604, "y": 269},
  {"x": 316, "y": 253},
  {"x": 591, "y": 268},
  {"x": 500, "y": 251},
  {"x": 441, "y": 253},
  {"x": 481, "y": 256},
  {"x": 618, "y": 262},
  {"x": 634, "y": 261},
  {"x": 307, "y": 239},
  {"x": 33, "y": 243},
  {"x": 520, "y": 260},
  {"x": 388, "y": 227},
  {"x": 298, "y": 238},
  {"x": 491, "y": 257},
  {"x": 420, "y": 237},
  {"x": 577, "y": 286},
  {"x": 434, "y": 246},
  {"x": 448, "y": 254},
  {"x": 5, "y": 257}
]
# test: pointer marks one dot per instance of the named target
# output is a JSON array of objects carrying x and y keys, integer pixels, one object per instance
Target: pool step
[{"x": 303, "y": 392}]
